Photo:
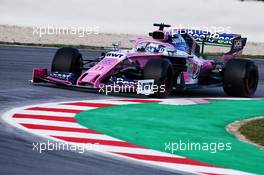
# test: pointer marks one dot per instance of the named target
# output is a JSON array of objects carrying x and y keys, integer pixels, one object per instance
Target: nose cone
[{"x": 99, "y": 71}]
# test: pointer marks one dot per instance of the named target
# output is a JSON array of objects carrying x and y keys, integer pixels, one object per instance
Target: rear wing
[{"x": 234, "y": 41}]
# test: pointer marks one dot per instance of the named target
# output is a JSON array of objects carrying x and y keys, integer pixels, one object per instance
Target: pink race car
[{"x": 167, "y": 60}]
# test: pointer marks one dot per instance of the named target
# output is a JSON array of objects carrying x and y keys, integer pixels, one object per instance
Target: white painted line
[
  {"x": 198, "y": 169},
  {"x": 116, "y": 102},
  {"x": 75, "y": 107},
  {"x": 46, "y": 113},
  {"x": 141, "y": 151},
  {"x": 178, "y": 102},
  {"x": 48, "y": 123},
  {"x": 75, "y": 134}
]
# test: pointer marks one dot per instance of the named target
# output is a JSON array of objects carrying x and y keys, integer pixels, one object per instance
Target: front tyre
[
  {"x": 161, "y": 71},
  {"x": 240, "y": 78},
  {"x": 67, "y": 59}
]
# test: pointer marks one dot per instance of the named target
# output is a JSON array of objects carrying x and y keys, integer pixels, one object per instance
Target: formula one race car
[{"x": 167, "y": 60}]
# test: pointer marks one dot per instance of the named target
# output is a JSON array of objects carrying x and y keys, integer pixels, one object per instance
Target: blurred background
[{"x": 137, "y": 16}]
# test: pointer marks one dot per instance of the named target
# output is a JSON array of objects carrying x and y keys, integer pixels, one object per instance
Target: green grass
[
  {"x": 254, "y": 131},
  {"x": 219, "y": 54},
  {"x": 152, "y": 125}
]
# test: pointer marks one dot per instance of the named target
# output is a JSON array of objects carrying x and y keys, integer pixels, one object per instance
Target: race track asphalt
[{"x": 16, "y": 154}]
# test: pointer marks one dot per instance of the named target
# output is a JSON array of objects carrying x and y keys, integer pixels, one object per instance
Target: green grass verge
[
  {"x": 218, "y": 54},
  {"x": 152, "y": 125},
  {"x": 254, "y": 131}
]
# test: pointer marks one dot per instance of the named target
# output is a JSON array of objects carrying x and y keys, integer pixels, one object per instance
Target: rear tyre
[
  {"x": 67, "y": 59},
  {"x": 240, "y": 78},
  {"x": 161, "y": 71}
]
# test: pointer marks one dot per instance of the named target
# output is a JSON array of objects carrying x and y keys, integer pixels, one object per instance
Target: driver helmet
[{"x": 153, "y": 47}]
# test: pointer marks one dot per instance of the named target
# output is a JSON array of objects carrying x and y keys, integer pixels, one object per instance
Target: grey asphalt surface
[{"x": 16, "y": 154}]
